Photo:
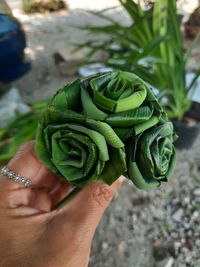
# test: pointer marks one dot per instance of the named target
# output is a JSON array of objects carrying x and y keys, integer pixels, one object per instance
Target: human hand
[{"x": 34, "y": 235}]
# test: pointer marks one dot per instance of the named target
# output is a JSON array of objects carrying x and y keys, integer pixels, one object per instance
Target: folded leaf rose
[
  {"x": 121, "y": 99},
  {"x": 151, "y": 156},
  {"x": 103, "y": 126},
  {"x": 78, "y": 149}
]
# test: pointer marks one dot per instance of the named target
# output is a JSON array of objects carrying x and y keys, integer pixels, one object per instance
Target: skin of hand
[{"x": 32, "y": 234}]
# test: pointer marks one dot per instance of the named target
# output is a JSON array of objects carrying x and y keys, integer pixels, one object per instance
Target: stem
[{"x": 66, "y": 199}]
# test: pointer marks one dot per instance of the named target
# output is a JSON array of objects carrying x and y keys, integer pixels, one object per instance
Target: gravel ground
[
  {"x": 46, "y": 34},
  {"x": 158, "y": 228}
]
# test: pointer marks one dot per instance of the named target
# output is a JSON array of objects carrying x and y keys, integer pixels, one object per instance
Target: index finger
[{"x": 26, "y": 164}]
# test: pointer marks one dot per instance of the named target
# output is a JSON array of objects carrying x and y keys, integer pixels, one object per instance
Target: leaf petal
[
  {"x": 111, "y": 138},
  {"x": 96, "y": 137},
  {"x": 130, "y": 117},
  {"x": 112, "y": 171}
]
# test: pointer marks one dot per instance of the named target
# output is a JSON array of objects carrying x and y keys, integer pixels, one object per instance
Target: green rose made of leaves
[{"x": 103, "y": 126}]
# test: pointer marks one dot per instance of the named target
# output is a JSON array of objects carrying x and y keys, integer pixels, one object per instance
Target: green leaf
[
  {"x": 111, "y": 138},
  {"x": 130, "y": 117},
  {"x": 41, "y": 149},
  {"x": 124, "y": 133},
  {"x": 112, "y": 171},
  {"x": 73, "y": 167},
  {"x": 191, "y": 47},
  {"x": 68, "y": 97},
  {"x": 55, "y": 115},
  {"x": 139, "y": 180},
  {"x": 194, "y": 79},
  {"x": 146, "y": 143},
  {"x": 89, "y": 108},
  {"x": 133, "y": 101},
  {"x": 96, "y": 137},
  {"x": 104, "y": 102},
  {"x": 146, "y": 125},
  {"x": 102, "y": 16},
  {"x": 20, "y": 130}
]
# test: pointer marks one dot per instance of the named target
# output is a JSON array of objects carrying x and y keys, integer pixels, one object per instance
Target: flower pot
[{"x": 188, "y": 129}]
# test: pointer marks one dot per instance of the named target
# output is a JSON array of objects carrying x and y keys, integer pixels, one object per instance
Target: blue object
[{"x": 12, "y": 45}]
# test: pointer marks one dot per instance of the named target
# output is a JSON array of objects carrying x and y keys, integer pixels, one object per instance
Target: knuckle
[
  {"x": 102, "y": 194},
  {"x": 27, "y": 146},
  {"x": 23, "y": 150}
]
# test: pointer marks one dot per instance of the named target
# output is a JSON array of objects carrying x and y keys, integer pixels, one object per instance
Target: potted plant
[{"x": 152, "y": 47}]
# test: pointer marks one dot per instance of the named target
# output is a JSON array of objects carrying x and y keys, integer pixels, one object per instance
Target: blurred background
[{"x": 46, "y": 43}]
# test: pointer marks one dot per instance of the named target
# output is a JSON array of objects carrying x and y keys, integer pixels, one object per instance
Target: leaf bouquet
[{"x": 103, "y": 126}]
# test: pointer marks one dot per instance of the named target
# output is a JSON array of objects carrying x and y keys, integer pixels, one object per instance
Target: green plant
[
  {"x": 21, "y": 130},
  {"x": 103, "y": 126},
  {"x": 28, "y": 5},
  {"x": 151, "y": 46},
  {"x": 32, "y": 6}
]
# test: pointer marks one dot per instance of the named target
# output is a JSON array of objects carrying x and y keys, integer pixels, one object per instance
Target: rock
[
  {"x": 189, "y": 243},
  {"x": 177, "y": 246},
  {"x": 157, "y": 212},
  {"x": 121, "y": 248},
  {"x": 186, "y": 226},
  {"x": 160, "y": 251},
  {"x": 134, "y": 218},
  {"x": 67, "y": 61},
  {"x": 170, "y": 262},
  {"x": 104, "y": 246},
  {"x": 171, "y": 249},
  {"x": 183, "y": 241},
  {"x": 195, "y": 215},
  {"x": 197, "y": 243},
  {"x": 184, "y": 250},
  {"x": 188, "y": 259},
  {"x": 174, "y": 235},
  {"x": 196, "y": 192},
  {"x": 177, "y": 216},
  {"x": 186, "y": 200}
]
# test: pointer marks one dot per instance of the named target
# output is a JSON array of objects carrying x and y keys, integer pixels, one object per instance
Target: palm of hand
[{"x": 31, "y": 232}]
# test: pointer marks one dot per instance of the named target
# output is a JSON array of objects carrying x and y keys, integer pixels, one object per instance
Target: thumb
[{"x": 84, "y": 212}]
